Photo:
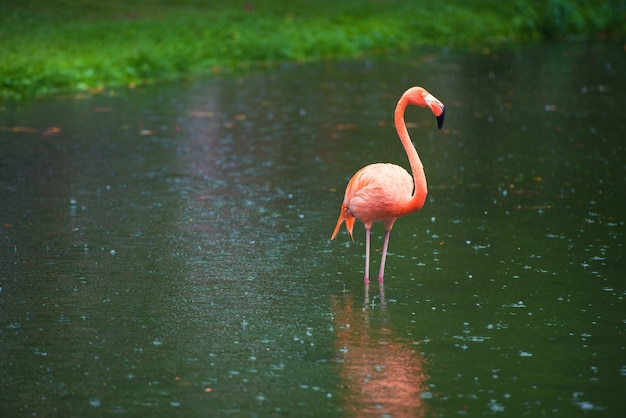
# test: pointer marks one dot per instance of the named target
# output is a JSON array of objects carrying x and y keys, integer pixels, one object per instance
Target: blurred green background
[{"x": 50, "y": 46}]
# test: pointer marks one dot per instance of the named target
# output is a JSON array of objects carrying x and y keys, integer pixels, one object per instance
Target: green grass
[{"x": 50, "y": 46}]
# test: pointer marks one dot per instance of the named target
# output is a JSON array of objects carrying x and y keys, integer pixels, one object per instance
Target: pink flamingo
[{"x": 383, "y": 192}]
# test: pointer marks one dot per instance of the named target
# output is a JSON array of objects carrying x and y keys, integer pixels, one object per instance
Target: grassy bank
[{"x": 49, "y": 46}]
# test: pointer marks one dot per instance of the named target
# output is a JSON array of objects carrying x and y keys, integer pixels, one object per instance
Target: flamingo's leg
[
  {"x": 381, "y": 273},
  {"x": 366, "y": 279}
]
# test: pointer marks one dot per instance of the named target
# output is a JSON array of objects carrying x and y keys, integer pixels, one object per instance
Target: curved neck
[{"x": 417, "y": 168}]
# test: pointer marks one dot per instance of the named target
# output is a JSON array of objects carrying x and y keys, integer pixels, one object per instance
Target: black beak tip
[{"x": 440, "y": 118}]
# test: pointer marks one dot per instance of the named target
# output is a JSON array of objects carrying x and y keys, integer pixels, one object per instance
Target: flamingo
[{"x": 383, "y": 192}]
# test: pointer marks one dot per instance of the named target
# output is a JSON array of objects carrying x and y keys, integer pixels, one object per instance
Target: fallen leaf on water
[
  {"x": 201, "y": 114},
  {"x": 347, "y": 127},
  {"x": 525, "y": 192},
  {"x": 52, "y": 130},
  {"x": 17, "y": 129}
]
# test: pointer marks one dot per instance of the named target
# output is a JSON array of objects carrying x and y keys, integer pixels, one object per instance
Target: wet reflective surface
[{"x": 165, "y": 251}]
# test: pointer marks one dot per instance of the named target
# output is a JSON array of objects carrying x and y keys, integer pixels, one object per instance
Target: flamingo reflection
[{"x": 381, "y": 374}]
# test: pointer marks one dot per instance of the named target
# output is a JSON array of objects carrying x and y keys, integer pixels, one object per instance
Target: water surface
[{"x": 165, "y": 250}]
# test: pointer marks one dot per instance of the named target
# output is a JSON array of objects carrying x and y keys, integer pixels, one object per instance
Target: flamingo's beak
[
  {"x": 440, "y": 117},
  {"x": 438, "y": 109}
]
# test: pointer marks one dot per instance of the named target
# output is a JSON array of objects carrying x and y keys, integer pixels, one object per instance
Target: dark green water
[{"x": 165, "y": 251}]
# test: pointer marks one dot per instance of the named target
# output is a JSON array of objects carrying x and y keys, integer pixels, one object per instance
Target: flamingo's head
[
  {"x": 438, "y": 109},
  {"x": 419, "y": 96}
]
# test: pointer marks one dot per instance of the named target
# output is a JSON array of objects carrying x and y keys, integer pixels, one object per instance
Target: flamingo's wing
[{"x": 345, "y": 215}]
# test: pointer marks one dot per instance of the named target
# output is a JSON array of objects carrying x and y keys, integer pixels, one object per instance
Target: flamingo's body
[{"x": 383, "y": 192}]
